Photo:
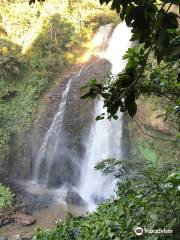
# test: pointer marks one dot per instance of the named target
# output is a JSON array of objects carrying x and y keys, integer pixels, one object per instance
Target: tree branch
[
  {"x": 149, "y": 135},
  {"x": 164, "y": 194}
]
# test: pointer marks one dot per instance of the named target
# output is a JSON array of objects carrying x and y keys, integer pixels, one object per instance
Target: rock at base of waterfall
[
  {"x": 27, "y": 237},
  {"x": 15, "y": 237},
  {"x": 23, "y": 219},
  {"x": 74, "y": 199},
  {"x": 3, "y": 238},
  {"x": 97, "y": 198}
]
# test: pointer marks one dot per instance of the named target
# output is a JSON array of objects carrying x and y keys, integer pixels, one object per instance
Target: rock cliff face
[
  {"x": 75, "y": 128},
  {"x": 76, "y": 124}
]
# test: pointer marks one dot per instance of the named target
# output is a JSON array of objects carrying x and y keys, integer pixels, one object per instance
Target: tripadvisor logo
[{"x": 138, "y": 231}]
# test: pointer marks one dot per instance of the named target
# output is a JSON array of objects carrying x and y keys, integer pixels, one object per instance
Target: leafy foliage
[
  {"x": 149, "y": 199},
  {"x": 27, "y": 77},
  {"x": 9, "y": 62},
  {"x": 155, "y": 28},
  {"x": 6, "y": 197}
]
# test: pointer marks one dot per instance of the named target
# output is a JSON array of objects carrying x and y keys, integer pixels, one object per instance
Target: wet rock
[
  {"x": 3, "y": 238},
  {"x": 35, "y": 202},
  {"x": 15, "y": 237},
  {"x": 97, "y": 198},
  {"x": 26, "y": 237},
  {"x": 4, "y": 220},
  {"x": 74, "y": 198},
  {"x": 23, "y": 219}
]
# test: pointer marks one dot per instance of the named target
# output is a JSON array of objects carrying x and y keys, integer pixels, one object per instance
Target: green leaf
[
  {"x": 116, "y": 6},
  {"x": 154, "y": 216},
  {"x": 162, "y": 44},
  {"x": 130, "y": 104},
  {"x": 113, "y": 108},
  {"x": 171, "y": 224},
  {"x": 170, "y": 20},
  {"x": 87, "y": 95},
  {"x": 99, "y": 117},
  {"x": 152, "y": 237},
  {"x": 129, "y": 221},
  {"x": 123, "y": 81}
]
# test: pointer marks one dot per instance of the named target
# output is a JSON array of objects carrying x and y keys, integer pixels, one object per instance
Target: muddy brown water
[{"x": 45, "y": 218}]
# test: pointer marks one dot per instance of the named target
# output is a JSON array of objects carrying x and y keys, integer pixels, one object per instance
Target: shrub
[
  {"x": 149, "y": 199},
  {"x": 6, "y": 197}
]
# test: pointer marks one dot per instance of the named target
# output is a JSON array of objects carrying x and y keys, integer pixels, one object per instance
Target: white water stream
[
  {"x": 51, "y": 134},
  {"x": 105, "y": 136}
]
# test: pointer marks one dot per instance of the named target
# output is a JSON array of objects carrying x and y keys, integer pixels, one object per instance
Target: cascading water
[
  {"x": 48, "y": 147},
  {"x": 56, "y": 163},
  {"x": 67, "y": 157},
  {"x": 105, "y": 136},
  {"x": 118, "y": 45}
]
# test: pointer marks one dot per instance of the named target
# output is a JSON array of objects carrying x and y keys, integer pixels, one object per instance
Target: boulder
[
  {"x": 23, "y": 219},
  {"x": 97, "y": 198},
  {"x": 74, "y": 198},
  {"x": 26, "y": 237},
  {"x": 15, "y": 237}
]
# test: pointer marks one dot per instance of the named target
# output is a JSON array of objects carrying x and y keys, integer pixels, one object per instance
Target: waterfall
[
  {"x": 118, "y": 45},
  {"x": 105, "y": 136},
  {"x": 50, "y": 140},
  {"x": 75, "y": 142}
]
